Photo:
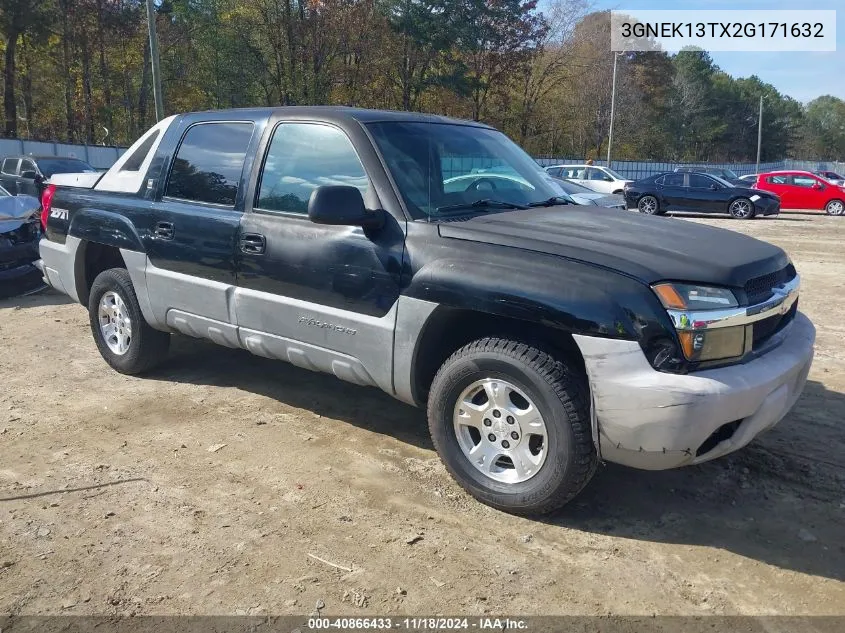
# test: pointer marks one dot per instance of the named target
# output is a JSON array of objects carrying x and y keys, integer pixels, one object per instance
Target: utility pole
[
  {"x": 151, "y": 25},
  {"x": 759, "y": 134},
  {"x": 612, "y": 107}
]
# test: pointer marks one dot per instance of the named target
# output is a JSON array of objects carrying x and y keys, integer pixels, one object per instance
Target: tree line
[{"x": 79, "y": 71}]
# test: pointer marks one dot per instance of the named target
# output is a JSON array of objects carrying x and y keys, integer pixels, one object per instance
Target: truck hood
[{"x": 649, "y": 248}]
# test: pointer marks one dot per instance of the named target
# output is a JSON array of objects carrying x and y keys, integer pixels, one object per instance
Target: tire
[
  {"x": 741, "y": 209},
  {"x": 143, "y": 346},
  {"x": 566, "y": 454},
  {"x": 835, "y": 207},
  {"x": 649, "y": 205}
]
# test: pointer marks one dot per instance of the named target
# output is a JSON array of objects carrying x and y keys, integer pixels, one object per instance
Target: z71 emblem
[{"x": 59, "y": 213}]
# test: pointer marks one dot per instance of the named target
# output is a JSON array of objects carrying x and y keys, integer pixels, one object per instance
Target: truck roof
[{"x": 340, "y": 113}]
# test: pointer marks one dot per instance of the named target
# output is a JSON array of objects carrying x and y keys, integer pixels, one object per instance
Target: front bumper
[
  {"x": 766, "y": 206},
  {"x": 653, "y": 420},
  {"x": 18, "y": 273}
]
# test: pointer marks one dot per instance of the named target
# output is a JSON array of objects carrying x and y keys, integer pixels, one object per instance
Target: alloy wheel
[
  {"x": 115, "y": 324},
  {"x": 500, "y": 430}
]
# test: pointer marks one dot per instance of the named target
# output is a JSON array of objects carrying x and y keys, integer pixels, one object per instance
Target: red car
[{"x": 803, "y": 190}]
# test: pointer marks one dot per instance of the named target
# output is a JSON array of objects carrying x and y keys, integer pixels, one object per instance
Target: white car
[{"x": 601, "y": 179}]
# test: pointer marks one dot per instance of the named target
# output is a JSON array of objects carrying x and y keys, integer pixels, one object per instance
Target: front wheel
[
  {"x": 124, "y": 338},
  {"x": 835, "y": 207},
  {"x": 512, "y": 425},
  {"x": 741, "y": 209},
  {"x": 648, "y": 205}
]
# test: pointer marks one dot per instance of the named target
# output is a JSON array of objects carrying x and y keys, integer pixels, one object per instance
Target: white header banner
[{"x": 723, "y": 30}]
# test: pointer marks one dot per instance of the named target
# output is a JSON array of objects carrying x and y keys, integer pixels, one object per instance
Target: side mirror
[
  {"x": 29, "y": 174},
  {"x": 342, "y": 205},
  {"x": 818, "y": 186},
  {"x": 714, "y": 187}
]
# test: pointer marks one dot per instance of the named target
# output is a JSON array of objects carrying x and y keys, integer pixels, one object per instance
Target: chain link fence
[{"x": 98, "y": 156}]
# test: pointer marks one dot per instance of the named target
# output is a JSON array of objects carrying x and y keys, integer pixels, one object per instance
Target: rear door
[
  {"x": 26, "y": 183},
  {"x": 781, "y": 186},
  {"x": 322, "y": 297},
  {"x": 190, "y": 230},
  {"x": 9, "y": 175},
  {"x": 673, "y": 193}
]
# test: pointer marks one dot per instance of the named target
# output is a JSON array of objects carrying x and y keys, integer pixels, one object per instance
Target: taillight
[{"x": 46, "y": 202}]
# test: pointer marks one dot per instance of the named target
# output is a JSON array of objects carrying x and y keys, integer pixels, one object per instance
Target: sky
[{"x": 802, "y": 76}]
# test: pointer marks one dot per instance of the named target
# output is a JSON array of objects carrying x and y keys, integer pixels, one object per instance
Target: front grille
[
  {"x": 759, "y": 289},
  {"x": 769, "y": 326},
  {"x": 29, "y": 231}
]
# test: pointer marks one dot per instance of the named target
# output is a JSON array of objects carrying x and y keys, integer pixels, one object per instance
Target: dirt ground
[{"x": 217, "y": 484}]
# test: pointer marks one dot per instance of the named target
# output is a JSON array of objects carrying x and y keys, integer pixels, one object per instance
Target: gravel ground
[{"x": 229, "y": 484}]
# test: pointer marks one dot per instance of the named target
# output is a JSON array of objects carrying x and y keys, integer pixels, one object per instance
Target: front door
[
  {"x": 191, "y": 231},
  {"x": 322, "y": 297},
  {"x": 810, "y": 192},
  {"x": 703, "y": 197}
]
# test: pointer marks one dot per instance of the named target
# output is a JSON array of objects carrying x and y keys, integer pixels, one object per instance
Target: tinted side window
[
  {"x": 778, "y": 180},
  {"x": 698, "y": 181},
  {"x": 301, "y": 157},
  {"x": 26, "y": 165},
  {"x": 10, "y": 166},
  {"x": 209, "y": 162},
  {"x": 673, "y": 180}
]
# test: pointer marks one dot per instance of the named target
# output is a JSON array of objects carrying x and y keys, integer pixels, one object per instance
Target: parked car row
[
  {"x": 27, "y": 174},
  {"x": 707, "y": 190}
]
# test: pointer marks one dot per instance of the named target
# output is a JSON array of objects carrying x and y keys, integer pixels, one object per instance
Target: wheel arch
[
  {"x": 449, "y": 328},
  {"x": 92, "y": 258}
]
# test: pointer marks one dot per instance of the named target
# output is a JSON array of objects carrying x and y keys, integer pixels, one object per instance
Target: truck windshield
[
  {"x": 443, "y": 168},
  {"x": 50, "y": 166}
]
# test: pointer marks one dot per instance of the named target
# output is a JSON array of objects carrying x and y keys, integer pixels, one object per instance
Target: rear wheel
[
  {"x": 512, "y": 425},
  {"x": 741, "y": 209},
  {"x": 648, "y": 205},
  {"x": 835, "y": 207},
  {"x": 124, "y": 338}
]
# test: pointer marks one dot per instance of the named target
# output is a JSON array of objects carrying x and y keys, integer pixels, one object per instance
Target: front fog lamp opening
[
  {"x": 676, "y": 296},
  {"x": 716, "y": 344}
]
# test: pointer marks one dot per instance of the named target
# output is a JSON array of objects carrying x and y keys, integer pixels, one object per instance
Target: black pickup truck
[{"x": 543, "y": 337}]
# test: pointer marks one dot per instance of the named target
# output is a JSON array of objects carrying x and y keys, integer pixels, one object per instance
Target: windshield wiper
[
  {"x": 480, "y": 204},
  {"x": 555, "y": 200}
]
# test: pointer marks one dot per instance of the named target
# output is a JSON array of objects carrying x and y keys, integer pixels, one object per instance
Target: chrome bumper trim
[{"x": 784, "y": 297}]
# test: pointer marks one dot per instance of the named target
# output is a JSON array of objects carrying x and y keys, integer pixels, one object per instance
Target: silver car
[{"x": 583, "y": 195}]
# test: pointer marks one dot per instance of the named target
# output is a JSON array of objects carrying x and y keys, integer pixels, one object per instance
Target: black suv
[
  {"x": 26, "y": 174},
  {"x": 541, "y": 336}
]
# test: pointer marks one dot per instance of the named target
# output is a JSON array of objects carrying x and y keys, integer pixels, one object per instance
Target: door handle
[
  {"x": 163, "y": 230},
  {"x": 253, "y": 243}
]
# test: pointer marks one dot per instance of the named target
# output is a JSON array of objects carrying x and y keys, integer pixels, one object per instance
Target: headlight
[
  {"x": 688, "y": 304},
  {"x": 691, "y": 297}
]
